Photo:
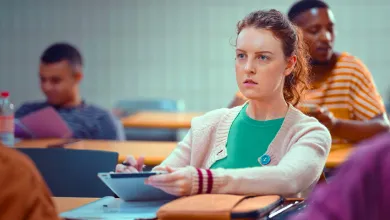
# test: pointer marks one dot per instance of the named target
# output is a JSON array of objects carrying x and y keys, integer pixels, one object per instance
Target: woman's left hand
[{"x": 177, "y": 182}]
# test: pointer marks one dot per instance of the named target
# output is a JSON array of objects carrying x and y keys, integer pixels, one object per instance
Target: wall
[{"x": 179, "y": 49}]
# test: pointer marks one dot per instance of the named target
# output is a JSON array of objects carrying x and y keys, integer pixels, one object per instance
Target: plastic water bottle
[{"x": 7, "y": 126}]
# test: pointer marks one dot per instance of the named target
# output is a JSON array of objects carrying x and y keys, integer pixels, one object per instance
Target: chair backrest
[
  {"x": 128, "y": 107},
  {"x": 73, "y": 173}
]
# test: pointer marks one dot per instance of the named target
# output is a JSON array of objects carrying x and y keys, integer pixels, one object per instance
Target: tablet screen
[
  {"x": 134, "y": 175},
  {"x": 132, "y": 187}
]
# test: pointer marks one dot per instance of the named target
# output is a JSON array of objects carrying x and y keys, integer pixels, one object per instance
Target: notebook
[{"x": 45, "y": 123}]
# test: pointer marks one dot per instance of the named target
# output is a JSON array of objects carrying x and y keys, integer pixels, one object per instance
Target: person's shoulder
[
  {"x": 353, "y": 65},
  {"x": 30, "y": 107},
  {"x": 349, "y": 58},
  {"x": 14, "y": 161},
  {"x": 213, "y": 117},
  {"x": 97, "y": 111},
  {"x": 34, "y": 105}
]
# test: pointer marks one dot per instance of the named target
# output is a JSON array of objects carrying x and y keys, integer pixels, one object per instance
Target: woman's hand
[
  {"x": 177, "y": 182},
  {"x": 130, "y": 165}
]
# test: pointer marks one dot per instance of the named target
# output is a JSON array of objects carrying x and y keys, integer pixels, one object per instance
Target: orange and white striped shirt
[{"x": 349, "y": 92}]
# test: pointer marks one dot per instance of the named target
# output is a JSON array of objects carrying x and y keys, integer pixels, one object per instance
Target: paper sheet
[{"x": 46, "y": 123}]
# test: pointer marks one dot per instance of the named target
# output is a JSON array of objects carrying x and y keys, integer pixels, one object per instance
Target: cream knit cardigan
[{"x": 298, "y": 154}]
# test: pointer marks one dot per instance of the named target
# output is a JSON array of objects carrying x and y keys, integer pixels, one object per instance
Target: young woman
[{"x": 265, "y": 146}]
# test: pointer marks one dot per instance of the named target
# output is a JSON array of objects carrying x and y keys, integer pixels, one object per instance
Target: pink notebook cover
[{"x": 46, "y": 123}]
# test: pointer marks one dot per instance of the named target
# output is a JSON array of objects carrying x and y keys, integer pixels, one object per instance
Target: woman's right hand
[{"x": 132, "y": 165}]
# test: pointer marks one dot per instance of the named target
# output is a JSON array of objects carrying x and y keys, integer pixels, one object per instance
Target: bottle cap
[{"x": 4, "y": 94}]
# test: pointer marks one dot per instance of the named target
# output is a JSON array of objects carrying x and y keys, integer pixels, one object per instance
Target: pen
[
  {"x": 284, "y": 209},
  {"x": 127, "y": 164}
]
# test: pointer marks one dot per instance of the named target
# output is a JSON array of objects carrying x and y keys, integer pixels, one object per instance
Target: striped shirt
[
  {"x": 86, "y": 121},
  {"x": 349, "y": 92}
]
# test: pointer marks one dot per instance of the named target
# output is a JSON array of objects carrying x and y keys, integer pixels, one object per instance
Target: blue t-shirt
[{"x": 86, "y": 121}]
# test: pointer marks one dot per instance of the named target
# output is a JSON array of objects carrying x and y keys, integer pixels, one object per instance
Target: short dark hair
[
  {"x": 62, "y": 51},
  {"x": 303, "y": 5}
]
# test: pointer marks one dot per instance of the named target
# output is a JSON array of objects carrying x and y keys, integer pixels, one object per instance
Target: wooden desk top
[
  {"x": 38, "y": 143},
  {"x": 338, "y": 156},
  {"x": 156, "y": 152},
  {"x": 64, "y": 204},
  {"x": 172, "y": 120},
  {"x": 153, "y": 151}
]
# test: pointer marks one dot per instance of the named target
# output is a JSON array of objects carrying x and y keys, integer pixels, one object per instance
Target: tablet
[
  {"x": 131, "y": 186},
  {"x": 113, "y": 208}
]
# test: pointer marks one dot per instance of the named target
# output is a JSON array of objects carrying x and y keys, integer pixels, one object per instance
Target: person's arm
[
  {"x": 110, "y": 128},
  {"x": 360, "y": 130},
  {"x": 297, "y": 170},
  {"x": 367, "y": 107},
  {"x": 179, "y": 158},
  {"x": 24, "y": 110},
  {"x": 20, "y": 130}
]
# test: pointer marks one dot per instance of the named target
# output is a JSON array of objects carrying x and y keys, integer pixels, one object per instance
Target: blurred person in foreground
[{"x": 24, "y": 194}]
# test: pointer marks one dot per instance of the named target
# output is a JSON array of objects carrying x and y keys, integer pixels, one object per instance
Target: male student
[
  {"x": 349, "y": 104},
  {"x": 24, "y": 194},
  {"x": 60, "y": 73}
]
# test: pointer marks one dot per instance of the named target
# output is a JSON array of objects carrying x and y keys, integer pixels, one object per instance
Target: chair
[
  {"x": 129, "y": 107},
  {"x": 71, "y": 172},
  {"x": 322, "y": 178}
]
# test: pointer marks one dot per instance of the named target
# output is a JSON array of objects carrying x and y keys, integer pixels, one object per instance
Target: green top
[{"x": 247, "y": 141}]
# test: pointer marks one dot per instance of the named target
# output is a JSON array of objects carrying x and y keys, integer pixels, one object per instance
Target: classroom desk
[
  {"x": 39, "y": 143},
  {"x": 338, "y": 155},
  {"x": 64, "y": 204},
  {"x": 154, "y": 152},
  {"x": 150, "y": 119}
]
